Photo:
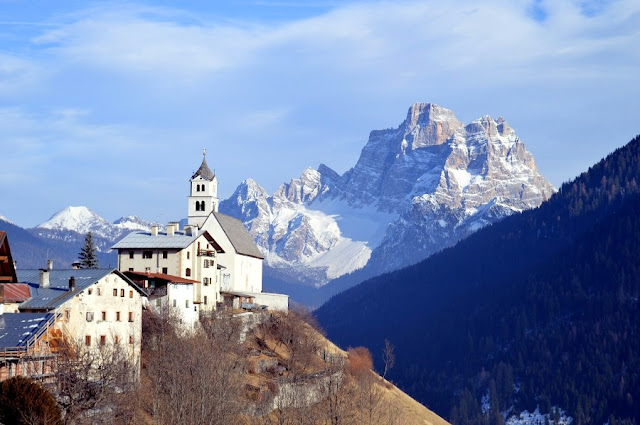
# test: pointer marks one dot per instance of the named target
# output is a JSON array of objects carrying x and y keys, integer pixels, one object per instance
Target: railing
[{"x": 206, "y": 253}]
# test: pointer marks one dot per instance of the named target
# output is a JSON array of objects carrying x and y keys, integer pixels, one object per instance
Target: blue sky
[{"x": 109, "y": 105}]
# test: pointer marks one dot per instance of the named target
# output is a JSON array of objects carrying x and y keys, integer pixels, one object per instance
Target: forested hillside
[{"x": 539, "y": 309}]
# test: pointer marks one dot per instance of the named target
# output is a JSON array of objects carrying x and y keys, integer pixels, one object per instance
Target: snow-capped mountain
[
  {"x": 72, "y": 223},
  {"x": 414, "y": 190}
]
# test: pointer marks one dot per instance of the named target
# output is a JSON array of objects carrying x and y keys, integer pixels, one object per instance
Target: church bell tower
[{"x": 203, "y": 196}]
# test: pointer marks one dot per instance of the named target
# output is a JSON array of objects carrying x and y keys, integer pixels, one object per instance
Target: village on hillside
[{"x": 180, "y": 332}]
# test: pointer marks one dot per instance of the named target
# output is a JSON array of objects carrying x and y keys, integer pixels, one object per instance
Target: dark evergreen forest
[{"x": 540, "y": 309}]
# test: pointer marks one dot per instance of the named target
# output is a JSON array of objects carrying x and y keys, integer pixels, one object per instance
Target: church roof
[
  {"x": 203, "y": 171},
  {"x": 238, "y": 236}
]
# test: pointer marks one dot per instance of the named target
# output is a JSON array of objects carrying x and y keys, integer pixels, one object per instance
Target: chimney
[
  {"x": 170, "y": 229},
  {"x": 44, "y": 278},
  {"x": 72, "y": 283},
  {"x": 176, "y": 225},
  {"x": 50, "y": 264},
  {"x": 75, "y": 266},
  {"x": 188, "y": 230},
  {"x": 154, "y": 230}
]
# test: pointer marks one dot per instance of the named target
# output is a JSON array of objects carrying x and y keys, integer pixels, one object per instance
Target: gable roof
[
  {"x": 179, "y": 240},
  {"x": 14, "y": 292},
  {"x": 58, "y": 291},
  {"x": 204, "y": 172},
  {"x": 238, "y": 235},
  {"x": 7, "y": 271},
  {"x": 17, "y": 330},
  {"x": 133, "y": 275}
]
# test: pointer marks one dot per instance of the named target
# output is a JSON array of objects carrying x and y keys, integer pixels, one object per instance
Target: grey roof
[
  {"x": 204, "y": 172},
  {"x": 141, "y": 240},
  {"x": 58, "y": 291},
  {"x": 18, "y": 329},
  {"x": 238, "y": 235}
]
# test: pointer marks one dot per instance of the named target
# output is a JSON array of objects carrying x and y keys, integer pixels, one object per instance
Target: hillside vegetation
[
  {"x": 263, "y": 368},
  {"x": 541, "y": 309}
]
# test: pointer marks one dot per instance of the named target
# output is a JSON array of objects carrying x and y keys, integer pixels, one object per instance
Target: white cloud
[{"x": 132, "y": 81}]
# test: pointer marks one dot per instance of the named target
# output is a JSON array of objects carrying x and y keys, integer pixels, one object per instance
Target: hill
[
  {"x": 263, "y": 368},
  {"x": 539, "y": 309}
]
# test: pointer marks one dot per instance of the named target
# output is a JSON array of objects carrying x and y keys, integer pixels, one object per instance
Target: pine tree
[{"x": 87, "y": 256}]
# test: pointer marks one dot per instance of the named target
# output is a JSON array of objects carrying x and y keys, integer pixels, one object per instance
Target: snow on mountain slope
[
  {"x": 3, "y": 218},
  {"x": 72, "y": 223},
  {"x": 78, "y": 219},
  {"x": 414, "y": 190}
]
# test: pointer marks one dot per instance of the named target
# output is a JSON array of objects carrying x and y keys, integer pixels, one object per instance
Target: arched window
[
  {"x": 187, "y": 272},
  {"x": 202, "y": 187},
  {"x": 197, "y": 188},
  {"x": 201, "y": 205},
  {"x": 197, "y": 206}
]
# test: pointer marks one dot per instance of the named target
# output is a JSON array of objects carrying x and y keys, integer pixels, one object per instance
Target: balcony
[{"x": 206, "y": 253}]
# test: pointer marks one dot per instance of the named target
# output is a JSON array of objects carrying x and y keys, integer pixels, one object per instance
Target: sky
[{"x": 110, "y": 104}]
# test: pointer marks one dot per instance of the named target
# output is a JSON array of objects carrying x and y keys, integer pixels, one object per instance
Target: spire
[{"x": 204, "y": 170}]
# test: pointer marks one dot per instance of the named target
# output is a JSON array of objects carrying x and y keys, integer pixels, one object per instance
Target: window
[
  {"x": 186, "y": 303},
  {"x": 188, "y": 255},
  {"x": 130, "y": 294},
  {"x": 174, "y": 303},
  {"x": 118, "y": 316},
  {"x": 197, "y": 206},
  {"x": 89, "y": 316},
  {"x": 116, "y": 339},
  {"x": 130, "y": 339},
  {"x": 87, "y": 340},
  {"x": 130, "y": 269},
  {"x": 67, "y": 315},
  {"x": 158, "y": 302},
  {"x": 206, "y": 264},
  {"x": 165, "y": 254},
  {"x": 104, "y": 316},
  {"x": 122, "y": 293},
  {"x": 201, "y": 205},
  {"x": 89, "y": 291},
  {"x": 205, "y": 281},
  {"x": 197, "y": 188},
  {"x": 115, "y": 292},
  {"x": 130, "y": 254},
  {"x": 131, "y": 316},
  {"x": 187, "y": 272},
  {"x": 103, "y": 339},
  {"x": 147, "y": 254},
  {"x": 205, "y": 300},
  {"x": 147, "y": 269},
  {"x": 99, "y": 291},
  {"x": 164, "y": 270}
]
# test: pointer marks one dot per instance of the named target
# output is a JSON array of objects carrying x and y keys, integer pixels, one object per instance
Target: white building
[
  {"x": 95, "y": 308},
  {"x": 214, "y": 249}
]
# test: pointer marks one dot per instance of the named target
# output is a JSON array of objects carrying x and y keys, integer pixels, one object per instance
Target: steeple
[
  {"x": 204, "y": 170},
  {"x": 203, "y": 196}
]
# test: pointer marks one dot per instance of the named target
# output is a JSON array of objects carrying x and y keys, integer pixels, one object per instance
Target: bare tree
[
  {"x": 389, "y": 357},
  {"x": 195, "y": 378},
  {"x": 95, "y": 385}
]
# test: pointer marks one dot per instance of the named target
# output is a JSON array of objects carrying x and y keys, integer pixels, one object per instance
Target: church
[{"x": 210, "y": 263}]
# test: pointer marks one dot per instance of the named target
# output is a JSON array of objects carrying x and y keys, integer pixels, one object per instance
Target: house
[
  {"x": 186, "y": 259},
  {"x": 28, "y": 343},
  {"x": 213, "y": 249},
  {"x": 167, "y": 293},
  {"x": 93, "y": 308}
]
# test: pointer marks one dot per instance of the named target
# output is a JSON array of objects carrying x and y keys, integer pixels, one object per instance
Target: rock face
[{"x": 414, "y": 190}]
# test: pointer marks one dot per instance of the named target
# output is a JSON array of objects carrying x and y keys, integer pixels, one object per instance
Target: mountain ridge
[{"x": 414, "y": 190}]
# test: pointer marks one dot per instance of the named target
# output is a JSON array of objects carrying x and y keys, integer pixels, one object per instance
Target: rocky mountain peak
[{"x": 428, "y": 124}]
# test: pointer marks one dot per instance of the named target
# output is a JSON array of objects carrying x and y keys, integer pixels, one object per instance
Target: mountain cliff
[
  {"x": 538, "y": 310},
  {"x": 414, "y": 190}
]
